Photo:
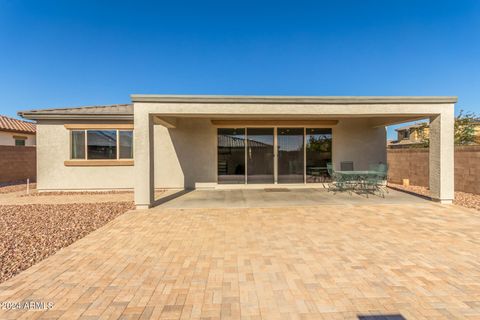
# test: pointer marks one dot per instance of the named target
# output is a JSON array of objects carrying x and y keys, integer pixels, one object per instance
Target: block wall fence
[
  {"x": 17, "y": 163},
  {"x": 412, "y": 164}
]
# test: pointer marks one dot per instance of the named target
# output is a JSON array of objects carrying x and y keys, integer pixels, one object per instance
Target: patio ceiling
[{"x": 256, "y": 120}]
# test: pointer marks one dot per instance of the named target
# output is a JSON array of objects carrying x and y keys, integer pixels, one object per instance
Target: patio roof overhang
[
  {"x": 291, "y": 99},
  {"x": 293, "y": 120},
  {"x": 380, "y": 111},
  {"x": 170, "y": 120}
]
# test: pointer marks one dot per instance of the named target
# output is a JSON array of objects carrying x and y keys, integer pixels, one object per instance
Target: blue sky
[{"x": 71, "y": 53}]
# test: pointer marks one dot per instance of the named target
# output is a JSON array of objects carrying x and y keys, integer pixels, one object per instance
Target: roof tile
[
  {"x": 14, "y": 125},
  {"x": 124, "y": 110}
]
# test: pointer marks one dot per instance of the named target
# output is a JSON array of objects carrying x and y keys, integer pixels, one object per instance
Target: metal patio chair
[
  {"x": 375, "y": 181},
  {"x": 337, "y": 182}
]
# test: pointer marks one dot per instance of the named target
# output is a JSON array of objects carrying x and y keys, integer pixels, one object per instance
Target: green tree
[{"x": 464, "y": 129}]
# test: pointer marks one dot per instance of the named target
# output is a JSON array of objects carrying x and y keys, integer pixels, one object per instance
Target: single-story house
[
  {"x": 14, "y": 132},
  {"x": 184, "y": 141}
]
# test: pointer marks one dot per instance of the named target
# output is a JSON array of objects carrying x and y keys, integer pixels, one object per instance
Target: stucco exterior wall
[
  {"x": 53, "y": 148},
  {"x": 187, "y": 155},
  {"x": 356, "y": 140},
  {"x": 6, "y": 138},
  {"x": 183, "y": 156}
]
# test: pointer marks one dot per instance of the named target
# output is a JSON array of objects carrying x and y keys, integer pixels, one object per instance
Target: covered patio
[
  {"x": 278, "y": 197},
  {"x": 213, "y": 142}
]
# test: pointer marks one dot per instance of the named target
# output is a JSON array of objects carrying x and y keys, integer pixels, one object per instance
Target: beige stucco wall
[
  {"x": 6, "y": 138},
  {"x": 356, "y": 140},
  {"x": 183, "y": 156},
  {"x": 53, "y": 148},
  {"x": 186, "y": 155}
]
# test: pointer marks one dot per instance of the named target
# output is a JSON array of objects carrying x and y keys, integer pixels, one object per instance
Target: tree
[{"x": 464, "y": 129}]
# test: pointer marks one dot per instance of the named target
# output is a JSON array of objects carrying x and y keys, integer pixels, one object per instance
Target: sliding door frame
[
  {"x": 275, "y": 155},
  {"x": 275, "y": 146}
]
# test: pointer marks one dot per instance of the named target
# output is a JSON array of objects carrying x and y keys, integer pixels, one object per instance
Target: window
[
  {"x": 20, "y": 142},
  {"x": 405, "y": 135},
  {"x": 78, "y": 145},
  {"x": 126, "y": 144},
  {"x": 101, "y": 144}
]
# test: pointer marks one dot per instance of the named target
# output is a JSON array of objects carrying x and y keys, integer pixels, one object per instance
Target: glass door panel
[
  {"x": 319, "y": 153},
  {"x": 260, "y": 155},
  {"x": 231, "y": 156},
  {"x": 290, "y": 155}
]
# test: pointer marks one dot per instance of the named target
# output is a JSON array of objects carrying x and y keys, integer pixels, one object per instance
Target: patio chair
[
  {"x": 336, "y": 183},
  {"x": 376, "y": 182},
  {"x": 373, "y": 167},
  {"x": 346, "y": 166},
  {"x": 383, "y": 175}
]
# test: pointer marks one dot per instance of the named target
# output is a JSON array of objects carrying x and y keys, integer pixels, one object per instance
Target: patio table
[
  {"x": 356, "y": 177},
  {"x": 358, "y": 174}
]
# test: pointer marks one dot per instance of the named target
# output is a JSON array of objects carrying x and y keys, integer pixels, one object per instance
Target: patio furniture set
[{"x": 368, "y": 181}]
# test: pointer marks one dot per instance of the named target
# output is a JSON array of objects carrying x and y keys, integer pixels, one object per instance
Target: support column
[
  {"x": 442, "y": 157},
  {"x": 143, "y": 148}
]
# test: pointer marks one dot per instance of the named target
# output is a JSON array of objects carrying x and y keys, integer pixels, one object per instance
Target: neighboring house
[
  {"x": 17, "y": 150},
  {"x": 164, "y": 141},
  {"x": 413, "y": 135},
  {"x": 409, "y": 136},
  {"x": 15, "y": 132}
]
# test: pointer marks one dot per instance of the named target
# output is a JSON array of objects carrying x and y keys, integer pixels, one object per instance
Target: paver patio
[{"x": 421, "y": 261}]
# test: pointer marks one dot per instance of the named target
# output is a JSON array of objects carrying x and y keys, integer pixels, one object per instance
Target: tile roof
[
  {"x": 418, "y": 125},
  {"x": 412, "y": 126},
  {"x": 124, "y": 111},
  {"x": 14, "y": 125}
]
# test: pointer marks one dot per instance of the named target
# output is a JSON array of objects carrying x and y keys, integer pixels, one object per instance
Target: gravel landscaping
[
  {"x": 464, "y": 199},
  {"x": 31, "y": 233},
  {"x": 15, "y": 187},
  {"x": 72, "y": 193}
]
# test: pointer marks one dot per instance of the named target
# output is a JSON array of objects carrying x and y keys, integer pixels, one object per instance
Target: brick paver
[{"x": 328, "y": 262}]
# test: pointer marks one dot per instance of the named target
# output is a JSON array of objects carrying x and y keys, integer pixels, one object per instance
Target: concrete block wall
[
  {"x": 17, "y": 163},
  {"x": 467, "y": 169},
  {"x": 409, "y": 164},
  {"x": 413, "y": 164}
]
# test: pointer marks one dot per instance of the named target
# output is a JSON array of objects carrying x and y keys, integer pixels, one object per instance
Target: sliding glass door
[
  {"x": 231, "y": 155},
  {"x": 318, "y": 153},
  {"x": 290, "y": 155},
  {"x": 260, "y": 155},
  {"x": 273, "y": 155}
]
